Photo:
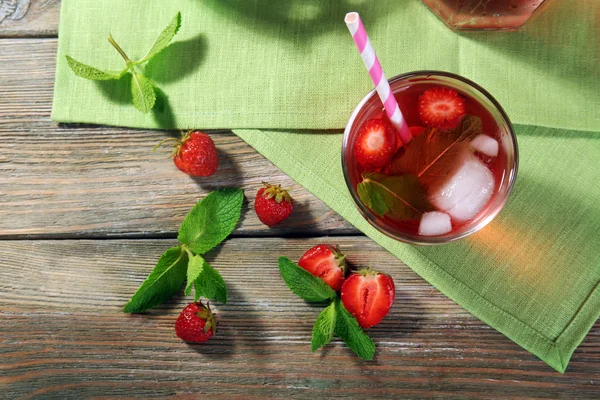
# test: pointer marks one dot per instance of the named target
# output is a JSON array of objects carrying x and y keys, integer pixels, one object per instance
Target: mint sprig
[
  {"x": 143, "y": 90},
  {"x": 224, "y": 206},
  {"x": 334, "y": 319}
]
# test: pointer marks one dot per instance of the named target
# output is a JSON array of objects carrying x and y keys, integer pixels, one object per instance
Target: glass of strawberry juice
[{"x": 455, "y": 175}]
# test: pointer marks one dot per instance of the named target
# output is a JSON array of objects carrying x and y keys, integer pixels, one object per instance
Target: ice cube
[
  {"x": 486, "y": 145},
  {"x": 465, "y": 190},
  {"x": 434, "y": 223}
]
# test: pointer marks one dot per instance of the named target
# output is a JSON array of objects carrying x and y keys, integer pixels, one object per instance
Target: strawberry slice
[
  {"x": 368, "y": 295},
  {"x": 376, "y": 143},
  {"x": 441, "y": 108},
  {"x": 326, "y": 262}
]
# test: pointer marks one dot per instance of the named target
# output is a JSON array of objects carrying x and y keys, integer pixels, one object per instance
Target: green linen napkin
[{"x": 532, "y": 273}]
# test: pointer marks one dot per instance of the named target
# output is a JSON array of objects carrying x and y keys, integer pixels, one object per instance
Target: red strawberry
[
  {"x": 416, "y": 130},
  {"x": 368, "y": 295},
  {"x": 326, "y": 262},
  {"x": 441, "y": 108},
  {"x": 273, "y": 204},
  {"x": 376, "y": 143},
  {"x": 196, "y": 323},
  {"x": 195, "y": 154}
]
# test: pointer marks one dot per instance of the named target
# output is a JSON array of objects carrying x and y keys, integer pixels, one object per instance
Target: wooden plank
[
  {"x": 63, "y": 334},
  {"x": 29, "y": 18},
  {"x": 26, "y": 78},
  {"x": 84, "y": 181}
]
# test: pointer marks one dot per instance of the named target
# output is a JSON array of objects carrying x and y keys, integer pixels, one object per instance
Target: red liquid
[
  {"x": 484, "y": 14},
  {"x": 407, "y": 99}
]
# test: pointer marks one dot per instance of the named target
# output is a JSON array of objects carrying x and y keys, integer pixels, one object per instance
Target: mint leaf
[
  {"x": 88, "y": 72},
  {"x": 324, "y": 327},
  {"x": 430, "y": 153},
  {"x": 211, "y": 220},
  {"x": 194, "y": 269},
  {"x": 162, "y": 283},
  {"x": 206, "y": 280},
  {"x": 399, "y": 197},
  {"x": 347, "y": 328},
  {"x": 164, "y": 38},
  {"x": 210, "y": 284},
  {"x": 142, "y": 92},
  {"x": 303, "y": 283}
]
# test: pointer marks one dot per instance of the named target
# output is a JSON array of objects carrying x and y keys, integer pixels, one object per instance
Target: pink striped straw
[{"x": 367, "y": 53}]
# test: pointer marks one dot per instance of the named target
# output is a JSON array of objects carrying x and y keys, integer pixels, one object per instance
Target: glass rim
[{"x": 430, "y": 240}]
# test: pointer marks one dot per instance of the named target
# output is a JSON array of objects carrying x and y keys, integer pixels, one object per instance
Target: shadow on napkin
[
  {"x": 298, "y": 20},
  {"x": 180, "y": 59},
  {"x": 541, "y": 42},
  {"x": 117, "y": 91}
]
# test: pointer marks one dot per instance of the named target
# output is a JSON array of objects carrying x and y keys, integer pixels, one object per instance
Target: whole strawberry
[
  {"x": 195, "y": 154},
  {"x": 368, "y": 295},
  {"x": 196, "y": 323},
  {"x": 326, "y": 262},
  {"x": 273, "y": 204}
]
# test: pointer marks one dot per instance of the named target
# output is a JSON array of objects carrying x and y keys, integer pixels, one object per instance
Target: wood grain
[
  {"x": 40, "y": 20},
  {"x": 86, "y": 181},
  {"x": 63, "y": 334}
]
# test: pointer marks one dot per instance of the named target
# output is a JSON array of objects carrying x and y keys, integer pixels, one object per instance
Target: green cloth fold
[{"x": 533, "y": 273}]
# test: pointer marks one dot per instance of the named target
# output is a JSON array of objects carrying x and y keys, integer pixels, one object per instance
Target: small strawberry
[
  {"x": 196, "y": 323},
  {"x": 441, "y": 108},
  {"x": 326, "y": 262},
  {"x": 273, "y": 204},
  {"x": 195, "y": 154},
  {"x": 368, "y": 295},
  {"x": 376, "y": 143},
  {"x": 416, "y": 130}
]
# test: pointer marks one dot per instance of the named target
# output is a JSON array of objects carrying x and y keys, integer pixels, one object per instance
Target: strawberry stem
[{"x": 164, "y": 141}]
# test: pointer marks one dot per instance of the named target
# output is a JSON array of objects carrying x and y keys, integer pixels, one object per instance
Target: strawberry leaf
[
  {"x": 303, "y": 283},
  {"x": 206, "y": 280},
  {"x": 211, "y": 220},
  {"x": 142, "y": 92},
  {"x": 164, "y": 38},
  {"x": 88, "y": 72},
  {"x": 442, "y": 146},
  {"x": 347, "y": 328},
  {"x": 400, "y": 197},
  {"x": 162, "y": 283},
  {"x": 324, "y": 327}
]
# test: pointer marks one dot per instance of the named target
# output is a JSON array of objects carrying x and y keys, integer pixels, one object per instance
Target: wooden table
[{"x": 85, "y": 211}]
